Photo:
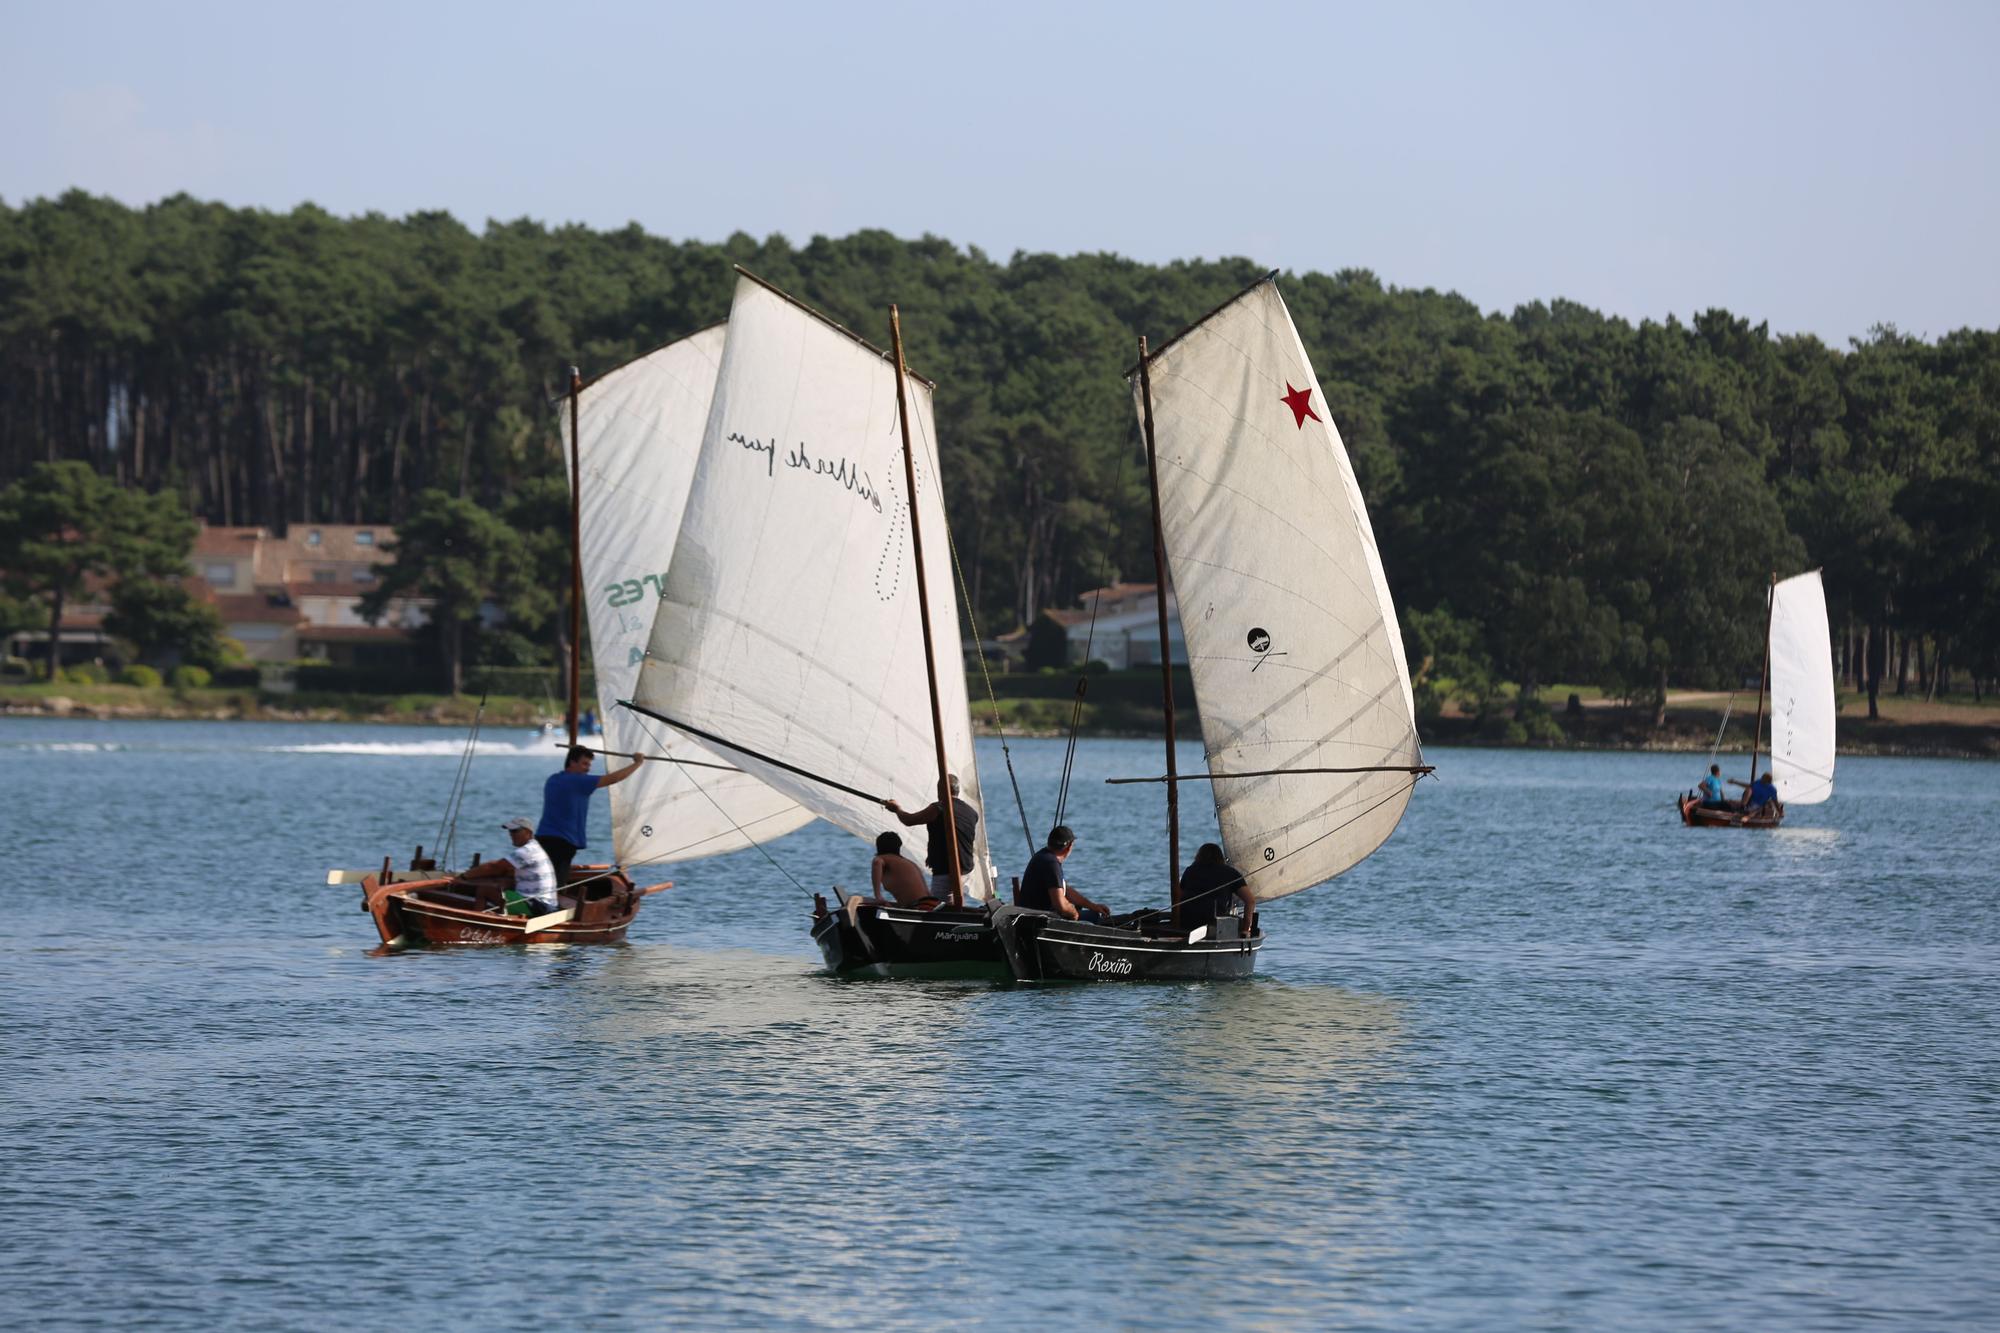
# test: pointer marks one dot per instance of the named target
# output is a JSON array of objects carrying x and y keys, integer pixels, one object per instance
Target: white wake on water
[{"x": 536, "y": 748}]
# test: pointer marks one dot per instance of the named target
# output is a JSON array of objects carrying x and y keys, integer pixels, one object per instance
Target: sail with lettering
[
  {"x": 638, "y": 436},
  {"x": 1292, "y": 641},
  {"x": 789, "y": 632},
  {"x": 1802, "y": 694}
]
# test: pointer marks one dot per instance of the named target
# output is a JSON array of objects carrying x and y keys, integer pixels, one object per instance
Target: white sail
[
  {"x": 1291, "y": 637},
  {"x": 638, "y": 435},
  {"x": 790, "y": 623},
  {"x": 1802, "y": 702}
]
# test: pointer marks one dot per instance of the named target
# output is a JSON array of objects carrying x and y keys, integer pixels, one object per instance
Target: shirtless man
[{"x": 897, "y": 873}]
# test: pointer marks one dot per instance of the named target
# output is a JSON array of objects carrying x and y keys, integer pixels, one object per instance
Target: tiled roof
[
  {"x": 220, "y": 543},
  {"x": 256, "y": 607},
  {"x": 337, "y": 543},
  {"x": 350, "y": 633}
]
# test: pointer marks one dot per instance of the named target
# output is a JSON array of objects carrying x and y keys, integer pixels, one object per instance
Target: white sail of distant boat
[
  {"x": 1292, "y": 642},
  {"x": 1802, "y": 694},
  {"x": 789, "y": 630},
  {"x": 639, "y": 431}
]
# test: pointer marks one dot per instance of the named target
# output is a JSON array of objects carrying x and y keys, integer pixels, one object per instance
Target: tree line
[{"x": 1559, "y": 495}]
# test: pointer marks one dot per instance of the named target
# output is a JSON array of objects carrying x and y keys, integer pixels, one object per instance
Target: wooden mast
[
  {"x": 946, "y": 800},
  {"x": 1763, "y": 681},
  {"x": 575, "y": 560},
  {"x": 1166, "y": 657}
]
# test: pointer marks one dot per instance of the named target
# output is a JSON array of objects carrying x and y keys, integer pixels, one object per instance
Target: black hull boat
[
  {"x": 862, "y": 938},
  {"x": 1040, "y": 946}
]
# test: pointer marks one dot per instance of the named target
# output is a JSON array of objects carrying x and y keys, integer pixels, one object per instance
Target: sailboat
[
  {"x": 1798, "y": 671},
  {"x": 633, "y": 436},
  {"x": 807, "y": 603},
  {"x": 1293, "y": 649}
]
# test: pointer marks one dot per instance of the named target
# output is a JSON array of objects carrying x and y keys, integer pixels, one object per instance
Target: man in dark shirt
[
  {"x": 1207, "y": 887},
  {"x": 1762, "y": 792},
  {"x": 939, "y": 828},
  {"x": 1044, "y": 887}
]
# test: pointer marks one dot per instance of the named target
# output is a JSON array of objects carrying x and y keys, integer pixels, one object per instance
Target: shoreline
[{"x": 1977, "y": 737}]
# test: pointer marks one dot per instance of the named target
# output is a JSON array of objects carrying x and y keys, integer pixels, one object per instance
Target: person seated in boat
[
  {"x": 526, "y": 869},
  {"x": 1762, "y": 793},
  {"x": 963, "y": 819},
  {"x": 1211, "y": 887},
  {"x": 1045, "y": 887},
  {"x": 1712, "y": 795},
  {"x": 898, "y": 874},
  {"x": 566, "y": 806}
]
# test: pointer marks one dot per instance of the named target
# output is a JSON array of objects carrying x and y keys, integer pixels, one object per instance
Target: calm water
[{"x": 1547, "y": 1060}]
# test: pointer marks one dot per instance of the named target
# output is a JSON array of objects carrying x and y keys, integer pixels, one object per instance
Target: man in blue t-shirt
[
  {"x": 566, "y": 806},
  {"x": 1762, "y": 793},
  {"x": 1713, "y": 797}
]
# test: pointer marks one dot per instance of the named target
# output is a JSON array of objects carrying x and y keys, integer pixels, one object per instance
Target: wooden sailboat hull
[
  {"x": 1040, "y": 946},
  {"x": 430, "y": 911},
  {"x": 1695, "y": 815},
  {"x": 869, "y": 939}
]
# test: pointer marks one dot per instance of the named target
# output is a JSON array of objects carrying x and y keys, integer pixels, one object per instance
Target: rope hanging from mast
[{"x": 447, "y": 834}]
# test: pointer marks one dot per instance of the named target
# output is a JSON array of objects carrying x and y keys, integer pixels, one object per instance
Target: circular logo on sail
[
  {"x": 1260, "y": 641},
  {"x": 645, "y": 830},
  {"x": 1270, "y": 853}
]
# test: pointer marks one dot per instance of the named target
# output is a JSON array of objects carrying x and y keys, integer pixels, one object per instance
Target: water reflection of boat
[
  {"x": 1292, "y": 645},
  {"x": 1798, "y": 669},
  {"x": 794, "y": 631}
]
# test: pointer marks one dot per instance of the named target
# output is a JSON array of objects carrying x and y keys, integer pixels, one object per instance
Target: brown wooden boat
[
  {"x": 1695, "y": 815},
  {"x": 424, "y": 907}
]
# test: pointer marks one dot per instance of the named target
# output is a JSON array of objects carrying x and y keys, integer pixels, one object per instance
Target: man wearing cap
[
  {"x": 1045, "y": 888},
  {"x": 566, "y": 806},
  {"x": 527, "y": 866}
]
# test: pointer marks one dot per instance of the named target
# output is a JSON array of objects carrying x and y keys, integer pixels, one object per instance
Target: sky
[{"x": 1823, "y": 167}]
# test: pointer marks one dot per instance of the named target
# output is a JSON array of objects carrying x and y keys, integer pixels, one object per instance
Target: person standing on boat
[
  {"x": 1712, "y": 795},
  {"x": 1045, "y": 887},
  {"x": 940, "y": 825},
  {"x": 566, "y": 806},
  {"x": 1207, "y": 887},
  {"x": 527, "y": 867},
  {"x": 897, "y": 873}
]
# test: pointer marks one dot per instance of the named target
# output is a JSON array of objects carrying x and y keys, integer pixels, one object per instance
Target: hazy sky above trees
[{"x": 1822, "y": 166}]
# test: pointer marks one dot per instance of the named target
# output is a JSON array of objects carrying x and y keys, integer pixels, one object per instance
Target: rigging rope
[
  {"x": 1090, "y": 638},
  {"x": 1724, "y": 727},
  {"x": 972, "y": 620},
  {"x": 741, "y": 832},
  {"x": 447, "y": 834}
]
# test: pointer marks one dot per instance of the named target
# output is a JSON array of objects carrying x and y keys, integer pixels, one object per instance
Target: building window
[
  {"x": 364, "y": 576},
  {"x": 312, "y": 538},
  {"x": 326, "y": 576},
  {"x": 220, "y": 575},
  {"x": 364, "y": 538}
]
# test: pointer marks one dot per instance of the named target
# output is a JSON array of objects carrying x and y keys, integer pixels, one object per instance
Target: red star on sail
[{"x": 1301, "y": 403}]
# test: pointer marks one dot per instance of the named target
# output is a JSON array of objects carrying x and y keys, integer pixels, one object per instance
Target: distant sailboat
[
  {"x": 1798, "y": 666},
  {"x": 790, "y": 635},
  {"x": 1292, "y": 643}
]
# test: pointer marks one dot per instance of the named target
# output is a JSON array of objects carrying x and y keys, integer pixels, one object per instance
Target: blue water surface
[{"x": 1546, "y": 1060}]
